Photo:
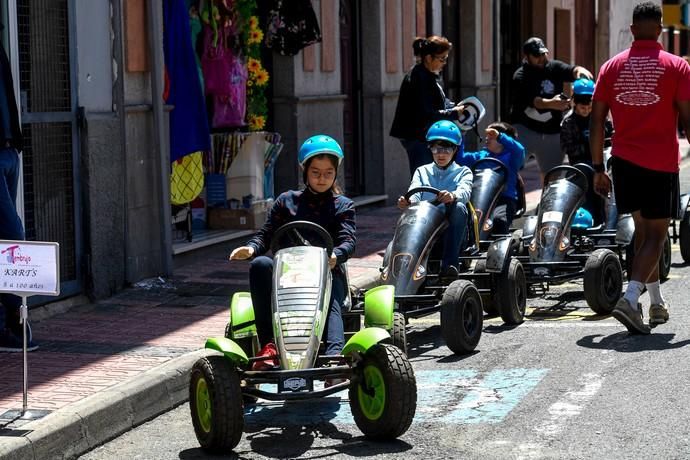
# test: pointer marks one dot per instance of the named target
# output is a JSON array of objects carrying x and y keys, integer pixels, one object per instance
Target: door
[
  {"x": 351, "y": 81},
  {"x": 48, "y": 115}
]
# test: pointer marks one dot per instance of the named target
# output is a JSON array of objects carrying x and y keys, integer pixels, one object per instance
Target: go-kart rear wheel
[
  {"x": 383, "y": 396},
  {"x": 603, "y": 281},
  {"x": 485, "y": 283},
  {"x": 685, "y": 238},
  {"x": 398, "y": 333},
  {"x": 461, "y": 317},
  {"x": 511, "y": 293},
  {"x": 215, "y": 403}
]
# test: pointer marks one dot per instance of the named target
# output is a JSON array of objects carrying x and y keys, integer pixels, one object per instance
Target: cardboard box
[{"x": 240, "y": 219}]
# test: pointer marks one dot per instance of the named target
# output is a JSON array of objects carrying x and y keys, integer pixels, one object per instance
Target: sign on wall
[{"x": 29, "y": 268}]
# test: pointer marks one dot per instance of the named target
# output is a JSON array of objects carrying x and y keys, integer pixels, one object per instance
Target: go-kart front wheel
[
  {"x": 215, "y": 402},
  {"x": 461, "y": 317},
  {"x": 383, "y": 397},
  {"x": 603, "y": 281},
  {"x": 512, "y": 293},
  {"x": 398, "y": 333}
]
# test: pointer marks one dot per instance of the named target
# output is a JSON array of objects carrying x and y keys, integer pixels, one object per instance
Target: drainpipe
[
  {"x": 154, "y": 15},
  {"x": 497, "y": 57}
]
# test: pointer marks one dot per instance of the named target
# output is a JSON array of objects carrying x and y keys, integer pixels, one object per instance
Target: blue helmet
[
  {"x": 320, "y": 145},
  {"x": 583, "y": 86},
  {"x": 444, "y": 130},
  {"x": 582, "y": 219}
]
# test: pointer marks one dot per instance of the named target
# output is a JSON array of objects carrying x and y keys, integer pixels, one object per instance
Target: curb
[{"x": 79, "y": 427}]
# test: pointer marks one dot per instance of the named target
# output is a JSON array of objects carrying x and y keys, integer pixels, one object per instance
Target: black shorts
[{"x": 656, "y": 194}]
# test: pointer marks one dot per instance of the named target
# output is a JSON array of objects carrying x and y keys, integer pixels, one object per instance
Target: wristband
[{"x": 598, "y": 167}]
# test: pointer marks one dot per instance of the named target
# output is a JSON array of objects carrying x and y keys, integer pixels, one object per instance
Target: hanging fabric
[
  {"x": 292, "y": 25},
  {"x": 189, "y": 130}
]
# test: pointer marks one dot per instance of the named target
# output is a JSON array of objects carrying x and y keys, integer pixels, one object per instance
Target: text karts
[
  {"x": 381, "y": 382},
  {"x": 554, "y": 252}
]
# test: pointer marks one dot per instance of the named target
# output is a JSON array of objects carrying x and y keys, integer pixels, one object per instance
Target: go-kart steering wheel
[
  {"x": 291, "y": 231},
  {"x": 496, "y": 165},
  {"x": 422, "y": 189}
]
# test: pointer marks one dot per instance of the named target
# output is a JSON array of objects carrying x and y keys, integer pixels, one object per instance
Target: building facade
[{"x": 89, "y": 74}]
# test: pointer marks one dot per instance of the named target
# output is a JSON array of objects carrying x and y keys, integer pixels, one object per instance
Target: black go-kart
[{"x": 554, "y": 252}]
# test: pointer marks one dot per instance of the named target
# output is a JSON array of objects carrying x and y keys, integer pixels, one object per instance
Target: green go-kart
[{"x": 378, "y": 376}]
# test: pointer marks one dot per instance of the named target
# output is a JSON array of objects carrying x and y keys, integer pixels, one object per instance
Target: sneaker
[
  {"x": 269, "y": 353},
  {"x": 630, "y": 317},
  {"x": 658, "y": 314},
  {"x": 13, "y": 344}
]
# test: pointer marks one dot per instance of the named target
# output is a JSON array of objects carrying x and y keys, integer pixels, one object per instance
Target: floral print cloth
[{"x": 292, "y": 25}]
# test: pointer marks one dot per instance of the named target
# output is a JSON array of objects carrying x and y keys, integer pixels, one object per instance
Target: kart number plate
[
  {"x": 552, "y": 216},
  {"x": 299, "y": 271},
  {"x": 294, "y": 384}
]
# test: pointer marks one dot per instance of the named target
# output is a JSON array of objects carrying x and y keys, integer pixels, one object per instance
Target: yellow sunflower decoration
[{"x": 252, "y": 37}]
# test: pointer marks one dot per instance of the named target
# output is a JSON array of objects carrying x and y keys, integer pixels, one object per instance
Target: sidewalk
[{"x": 103, "y": 368}]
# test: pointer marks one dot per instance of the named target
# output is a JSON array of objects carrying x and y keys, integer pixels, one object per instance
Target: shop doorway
[
  {"x": 351, "y": 77},
  {"x": 49, "y": 124},
  {"x": 511, "y": 37}
]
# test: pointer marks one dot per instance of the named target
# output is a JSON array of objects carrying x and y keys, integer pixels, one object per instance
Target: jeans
[
  {"x": 455, "y": 233},
  {"x": 503, "y": 214},
  {"x": 260, "y": 286},
  {"x": 11, "y": 227},
  {"x": 418, "y": 153}
]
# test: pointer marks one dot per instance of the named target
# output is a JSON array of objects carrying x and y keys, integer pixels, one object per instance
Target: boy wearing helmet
[
  {"x": 321, "y": 203},
  {"x": 455, "y": 185},
  {"x": 575, "y": 127},
  {"x": 502, "y": 144}
]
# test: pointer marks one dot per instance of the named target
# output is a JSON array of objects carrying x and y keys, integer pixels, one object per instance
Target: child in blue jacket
[
  {"x": 455, "y": 185},
  {"x": 501, "y": 144}
]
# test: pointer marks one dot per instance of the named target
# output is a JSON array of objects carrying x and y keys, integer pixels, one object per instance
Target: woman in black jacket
[{"x": 422, "y": 100}]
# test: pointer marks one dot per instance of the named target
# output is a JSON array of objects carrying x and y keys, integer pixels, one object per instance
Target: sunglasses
[{"x": 442, "y": 149}]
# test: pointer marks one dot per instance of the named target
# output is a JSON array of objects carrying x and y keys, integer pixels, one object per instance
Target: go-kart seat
[{"x": 594, "y": 202}]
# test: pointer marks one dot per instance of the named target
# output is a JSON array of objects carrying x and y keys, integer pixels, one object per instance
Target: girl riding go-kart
[{"x": 311, "y": 233}]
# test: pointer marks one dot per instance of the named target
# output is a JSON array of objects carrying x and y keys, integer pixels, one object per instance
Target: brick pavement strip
[{"x": 81, "y": 426}]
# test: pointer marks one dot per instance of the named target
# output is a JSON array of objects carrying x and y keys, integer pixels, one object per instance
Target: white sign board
[{"x": 29, "y": 268}]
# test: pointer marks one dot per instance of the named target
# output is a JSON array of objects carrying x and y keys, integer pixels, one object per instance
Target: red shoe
[{"x": 269, "y": 353}]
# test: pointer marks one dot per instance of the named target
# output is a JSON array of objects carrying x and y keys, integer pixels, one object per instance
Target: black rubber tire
[
  {"x": 603, "y": 281},
  {"x": 398, "y": 333},
  {"x": 225, "y": 394},
  {"x": 488, "y": 303},
  {"x": 684, "y": 232},
  {"x": 511, "y": 293},
  {"x": 461, "y": 317},
  {"x": 665, "y": 259},
  {"x": 400, "y": 402}
]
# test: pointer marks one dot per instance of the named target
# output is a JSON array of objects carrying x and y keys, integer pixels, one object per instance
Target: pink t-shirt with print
[{"x": 640, "y": 86}]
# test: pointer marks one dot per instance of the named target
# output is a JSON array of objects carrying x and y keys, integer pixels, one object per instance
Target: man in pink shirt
[{"x": 646, "y": 89}]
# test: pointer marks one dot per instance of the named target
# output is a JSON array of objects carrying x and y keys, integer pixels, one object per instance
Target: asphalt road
[{"x": 565, "y": 384}]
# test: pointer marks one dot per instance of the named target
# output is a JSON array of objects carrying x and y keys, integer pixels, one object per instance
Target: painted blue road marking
[{"x": 443, "y": 396}]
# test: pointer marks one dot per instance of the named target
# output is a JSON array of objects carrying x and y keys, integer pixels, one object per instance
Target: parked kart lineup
[{"x": 498, "y": 273}]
